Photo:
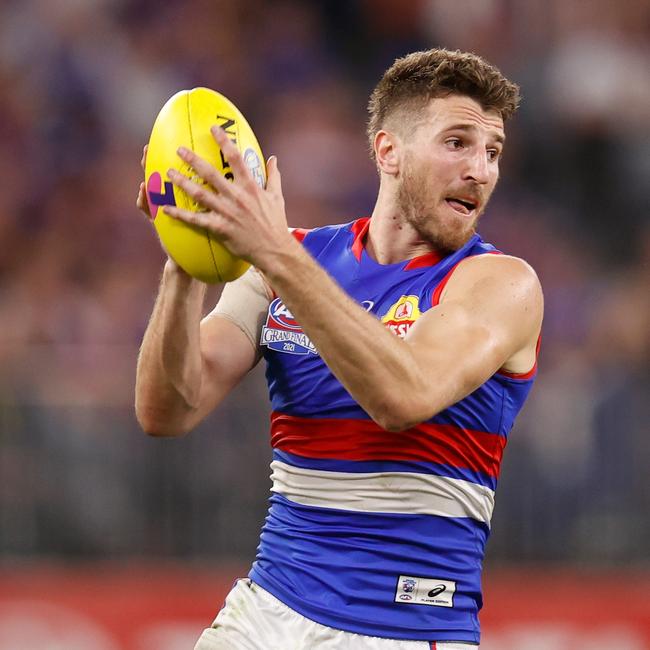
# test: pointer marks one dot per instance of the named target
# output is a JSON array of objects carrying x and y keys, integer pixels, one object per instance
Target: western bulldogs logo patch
[{"x": 282, "y": 333}]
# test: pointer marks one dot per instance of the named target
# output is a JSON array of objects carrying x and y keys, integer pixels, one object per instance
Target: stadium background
[{"x": 110, "y": 540}]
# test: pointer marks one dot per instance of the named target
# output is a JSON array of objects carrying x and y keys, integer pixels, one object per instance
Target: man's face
[{"x": 450, "y": 168}]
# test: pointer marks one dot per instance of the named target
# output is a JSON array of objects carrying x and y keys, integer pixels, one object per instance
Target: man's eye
[
  {"x": 493, "y": 154},
  {"x": 454, "y": 143}
]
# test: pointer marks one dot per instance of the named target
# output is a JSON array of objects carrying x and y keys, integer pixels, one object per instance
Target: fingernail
[
  {"x": 182, "y": 151},
  {"x": 171, "y": 172}
]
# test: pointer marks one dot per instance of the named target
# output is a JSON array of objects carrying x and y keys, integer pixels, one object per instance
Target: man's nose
[{"x": 477, "y": 167}]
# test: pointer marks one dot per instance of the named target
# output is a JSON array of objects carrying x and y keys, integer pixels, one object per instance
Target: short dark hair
[{"x": 413, "y": 80}]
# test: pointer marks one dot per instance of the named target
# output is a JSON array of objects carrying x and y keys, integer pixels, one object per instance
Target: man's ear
[{"x": 387, "y": 146}]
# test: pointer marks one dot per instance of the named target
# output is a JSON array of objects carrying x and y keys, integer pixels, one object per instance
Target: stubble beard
[{"x": 416, "y": 204}]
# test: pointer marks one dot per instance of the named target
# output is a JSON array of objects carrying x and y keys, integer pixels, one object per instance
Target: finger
[
  {"x": 195, "y": 191},
  {"x": 141, "y": 202},
  {"x": 206, "y": 171},
  {"x": 202, "y": 195},
  {"x": 143, "y": 162},
  {"x": 273, "y": 178},
  {"x": 211, "y": 221},
  {"x": 232, "y": 155}
]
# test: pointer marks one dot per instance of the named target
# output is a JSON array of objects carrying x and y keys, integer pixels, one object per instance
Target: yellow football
[{"x": 185, "y": 120}]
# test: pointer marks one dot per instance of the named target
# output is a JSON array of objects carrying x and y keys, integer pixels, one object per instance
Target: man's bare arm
[{"x": 186, "y": 365}]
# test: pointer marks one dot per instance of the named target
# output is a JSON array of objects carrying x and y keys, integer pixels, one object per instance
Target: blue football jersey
[{"x": 370, "y": 531}]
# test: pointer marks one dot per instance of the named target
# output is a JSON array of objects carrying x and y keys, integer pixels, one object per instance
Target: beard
[{"x": 427, "y": 215}]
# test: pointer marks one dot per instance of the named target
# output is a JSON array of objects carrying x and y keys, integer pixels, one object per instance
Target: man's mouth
[{"x": 462, "y": 205}]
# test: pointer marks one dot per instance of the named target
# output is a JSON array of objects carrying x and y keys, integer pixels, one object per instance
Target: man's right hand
[
  {"x": 143, "y": 205},
  {"x": 141, "y": 202}
]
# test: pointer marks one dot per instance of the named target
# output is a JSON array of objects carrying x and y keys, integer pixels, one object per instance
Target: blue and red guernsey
[{"x": 369, "y": 531}]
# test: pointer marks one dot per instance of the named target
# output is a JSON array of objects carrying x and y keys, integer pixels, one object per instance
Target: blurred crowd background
[{"x": 81, "y": 82}]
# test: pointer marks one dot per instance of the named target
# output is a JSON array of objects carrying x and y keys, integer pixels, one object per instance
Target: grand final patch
[
  {"x": 401, "y": 316},
  {"x": 282, "y": 333}
]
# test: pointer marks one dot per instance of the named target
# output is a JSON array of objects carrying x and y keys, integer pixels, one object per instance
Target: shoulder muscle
[{"x": 505, "y": 294}]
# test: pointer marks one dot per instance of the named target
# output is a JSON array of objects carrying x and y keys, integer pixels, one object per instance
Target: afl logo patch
[{"x": 281, "y": 316}]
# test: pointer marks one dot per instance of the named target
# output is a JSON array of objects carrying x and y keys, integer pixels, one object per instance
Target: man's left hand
[{"x": 249, "y": 220}]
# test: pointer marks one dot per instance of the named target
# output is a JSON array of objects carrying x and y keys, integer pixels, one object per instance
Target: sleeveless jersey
[{"x": 371, "y": 531}]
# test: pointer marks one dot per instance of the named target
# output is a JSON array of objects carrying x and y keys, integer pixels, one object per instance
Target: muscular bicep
[
  {"x": 488, "y": 319},
  {"x": 230, "y": 336}
]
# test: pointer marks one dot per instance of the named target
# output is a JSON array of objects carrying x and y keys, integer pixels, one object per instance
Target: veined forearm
[
  {"x": 370, "y": 361},
  {"x": 168, "y": 380}
]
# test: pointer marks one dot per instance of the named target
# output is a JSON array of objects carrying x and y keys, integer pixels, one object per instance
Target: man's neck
[{"x": 391, "y": 238}]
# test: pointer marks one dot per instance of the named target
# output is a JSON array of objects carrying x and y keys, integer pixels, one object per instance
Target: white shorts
[{"x": 253, "y": 619}]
